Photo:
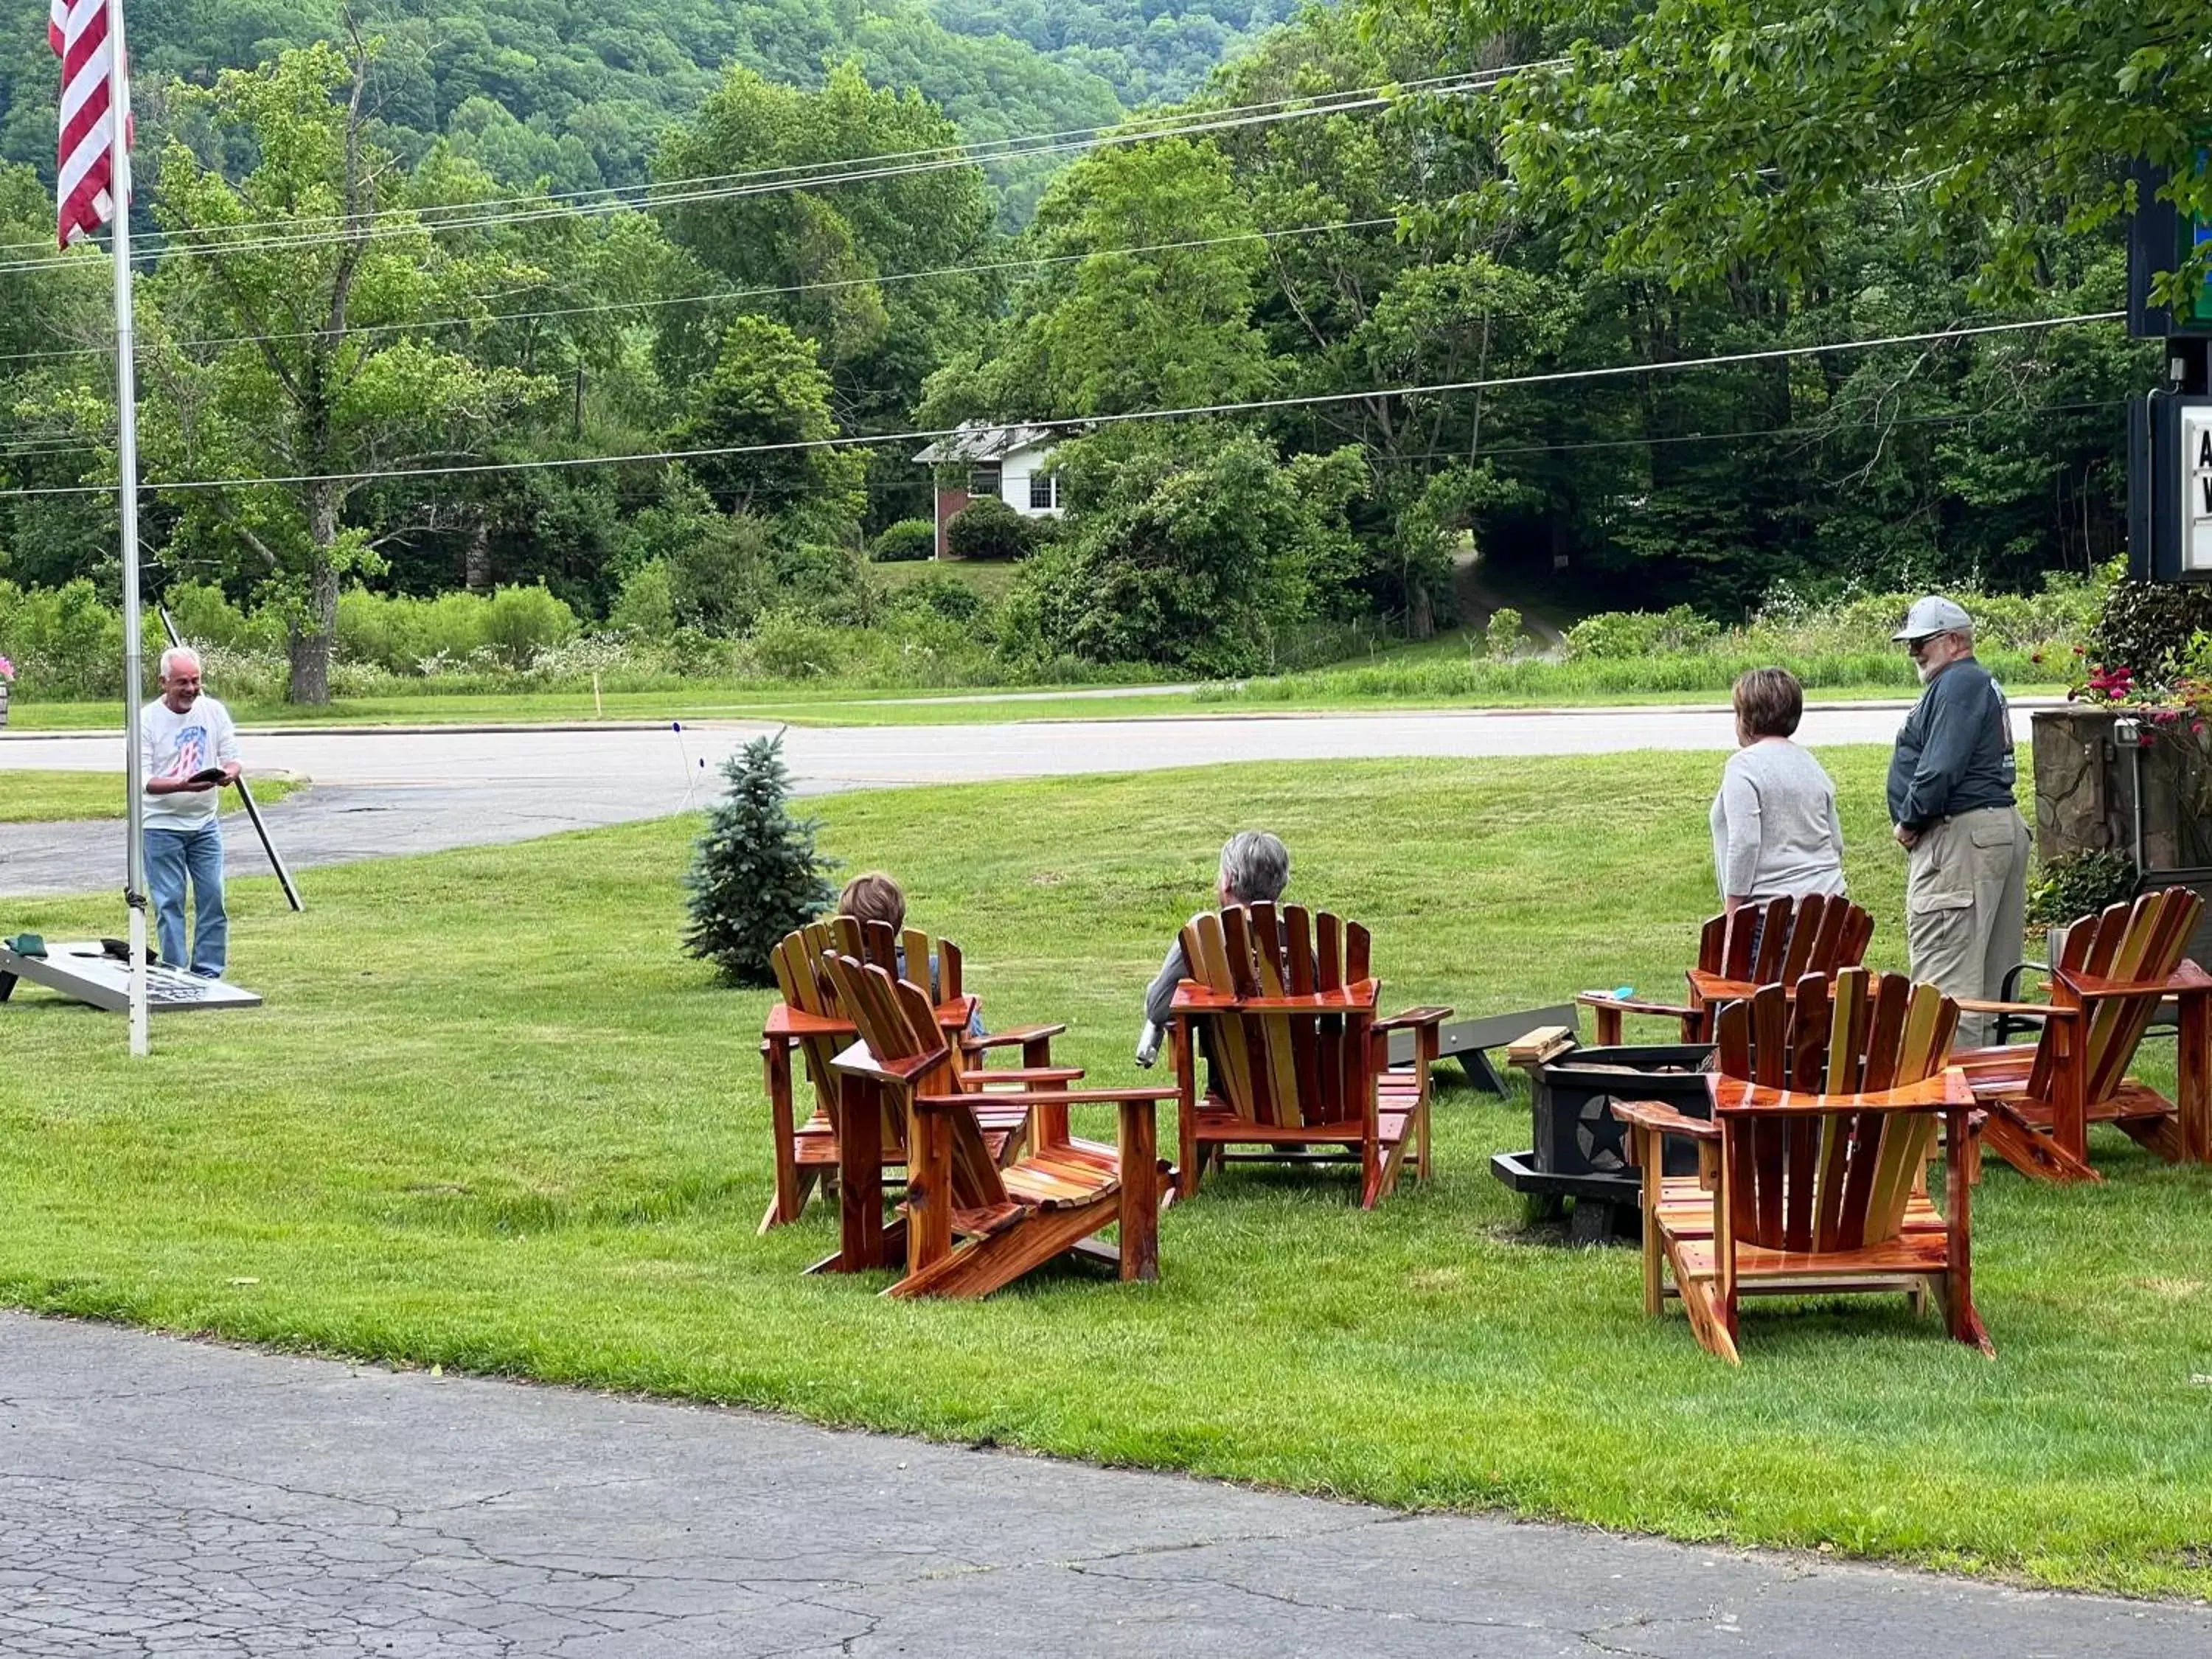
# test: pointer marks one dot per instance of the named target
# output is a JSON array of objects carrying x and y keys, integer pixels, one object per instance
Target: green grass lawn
[
  {"x": 990, "y": 578},
  {"x": 492, "y": 1119},
  {"x": 53, "y": 797}
]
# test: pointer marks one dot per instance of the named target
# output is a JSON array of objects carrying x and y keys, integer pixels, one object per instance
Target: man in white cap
[
  {"x": 190, "y": 752},
  {"x": 1951, "y": 798}
]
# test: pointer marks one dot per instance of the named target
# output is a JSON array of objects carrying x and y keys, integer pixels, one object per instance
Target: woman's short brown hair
[
  {"x": 1770, "y": 702},
  {"x": 873, "y": 897}
]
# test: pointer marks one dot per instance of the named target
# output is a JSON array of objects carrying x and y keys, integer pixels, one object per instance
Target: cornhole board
[
  {"x": 80, "y": 970},
  {"x": 1465, "y": 1040}
]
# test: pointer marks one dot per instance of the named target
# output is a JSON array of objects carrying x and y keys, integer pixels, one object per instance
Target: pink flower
[{"x": 7, "y": 669}]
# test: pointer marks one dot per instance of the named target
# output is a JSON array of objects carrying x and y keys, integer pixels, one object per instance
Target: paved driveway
[
  {"x": 381, "y": 793},
  {"x": 172, "y": 1497}
]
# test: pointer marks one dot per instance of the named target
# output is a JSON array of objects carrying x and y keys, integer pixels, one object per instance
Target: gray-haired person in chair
[{"x": 1255, "y": 867}]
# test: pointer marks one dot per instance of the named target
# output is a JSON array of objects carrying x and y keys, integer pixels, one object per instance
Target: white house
[{"x": 1009, "y": 462}]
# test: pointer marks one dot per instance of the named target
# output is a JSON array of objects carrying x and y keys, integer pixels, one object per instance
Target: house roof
[{"x": 975, "y": 442}]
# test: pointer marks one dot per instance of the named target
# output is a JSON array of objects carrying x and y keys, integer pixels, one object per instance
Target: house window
[
  {"x": 1044, "y": 491},
  {"x": 983, "y": 481}
]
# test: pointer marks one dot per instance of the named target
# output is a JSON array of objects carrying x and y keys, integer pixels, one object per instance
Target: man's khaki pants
[{"x": 1966, "y": 906}]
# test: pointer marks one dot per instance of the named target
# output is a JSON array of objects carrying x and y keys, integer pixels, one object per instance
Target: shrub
[
  {"x": 756, "y": 875},
  {"x": 942, "y": 595},
  {"x": 2148, "y": 626},
  {"x": 644, "y": 609},
  {"x": 206, "y": 618},
  {"x": 790, "y": 645},
  {"x": 905, "y": 543},
  {"x": 520, "y": 622},
  {"x": 988, "y": 529},
  {"x": 2079, "y": 885},
  {"x": 66, "y": 641},
  {"x": 721, "y": 575},
  {"x": 1502, "y": 638},
  {"x": 1618, "y": 633}
]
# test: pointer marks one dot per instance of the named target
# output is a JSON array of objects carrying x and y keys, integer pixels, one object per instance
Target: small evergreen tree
[{"x": 757, "y": 876}]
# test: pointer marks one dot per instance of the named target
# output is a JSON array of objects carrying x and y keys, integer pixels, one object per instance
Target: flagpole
[{"x": 126, "y": 455}]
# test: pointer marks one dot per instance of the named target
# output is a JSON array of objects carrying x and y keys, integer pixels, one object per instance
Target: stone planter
[{"x": 2100, "y": 788}]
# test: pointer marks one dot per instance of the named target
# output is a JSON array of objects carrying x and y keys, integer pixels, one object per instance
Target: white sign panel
[{"x": 2197, "y": 490}]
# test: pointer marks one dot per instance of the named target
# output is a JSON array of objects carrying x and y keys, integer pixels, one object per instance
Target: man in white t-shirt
[{"x": 189, "y": 750}]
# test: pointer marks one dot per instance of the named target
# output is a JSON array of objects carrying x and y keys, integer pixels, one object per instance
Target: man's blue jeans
[{"x": 171, "y": 856}]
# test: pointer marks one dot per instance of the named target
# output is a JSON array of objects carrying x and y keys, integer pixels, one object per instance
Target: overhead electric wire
[
  {"x": 1246, "y": 406},
  {"x": 209, "y": 238},
  {"x": 796, "y": 175},
  {"x": 492, "y": 318}
]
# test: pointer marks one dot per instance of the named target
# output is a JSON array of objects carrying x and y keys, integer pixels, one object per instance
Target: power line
[
  {"x": 1196, "y": 412},
  {"x": 975, "y": 152},
  {"x": 1095, "y": 138},
  {"x": 491, "y": 319}
]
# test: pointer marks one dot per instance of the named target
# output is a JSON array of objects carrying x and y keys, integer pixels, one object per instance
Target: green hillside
[{"x": 576, "y": 92}]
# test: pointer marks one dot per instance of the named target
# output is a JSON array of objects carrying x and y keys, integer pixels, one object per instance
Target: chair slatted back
[
  {"x": 1283, "y": 1069},
  {"x": 1781, "y": 941},
  {"x": 1811, "y": 1180},
  {"x": 797, "y": 960},
  {"x": 898, "y": 1022},
  {"x": 2142, "y": 941}
]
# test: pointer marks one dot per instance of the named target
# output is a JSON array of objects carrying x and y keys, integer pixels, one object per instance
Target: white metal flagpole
[{"x": 126, "y": 456}]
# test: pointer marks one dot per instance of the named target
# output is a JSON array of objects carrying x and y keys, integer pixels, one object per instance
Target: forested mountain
[{"x": 577, "y": 91}]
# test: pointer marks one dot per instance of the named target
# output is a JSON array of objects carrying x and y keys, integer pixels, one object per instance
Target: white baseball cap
[{"x": 1934, "y": 615}]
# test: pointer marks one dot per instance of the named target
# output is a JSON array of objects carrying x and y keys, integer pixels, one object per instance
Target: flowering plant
[{"x": 6, "y": 671}]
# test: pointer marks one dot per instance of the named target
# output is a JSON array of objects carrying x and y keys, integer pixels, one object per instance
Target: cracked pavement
[{"x": 165, "y": 1496}]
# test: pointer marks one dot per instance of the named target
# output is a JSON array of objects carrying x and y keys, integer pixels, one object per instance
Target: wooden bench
[
  {"x": 1283, "y": 1003},
  {"x": 1827, "y": 1107}
]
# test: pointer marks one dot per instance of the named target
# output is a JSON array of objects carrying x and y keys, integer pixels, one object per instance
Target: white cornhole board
[{"x": 79, "y": 968}]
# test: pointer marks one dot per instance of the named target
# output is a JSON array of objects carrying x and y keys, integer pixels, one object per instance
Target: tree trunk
[
  {"x": 308, "y": 641},
  {"x": 475, "y": 565}
]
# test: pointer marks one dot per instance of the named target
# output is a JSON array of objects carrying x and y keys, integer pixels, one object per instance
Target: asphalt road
[
  {"x": 381, "y": 793},
  {"x": 172, "y": 1497}
]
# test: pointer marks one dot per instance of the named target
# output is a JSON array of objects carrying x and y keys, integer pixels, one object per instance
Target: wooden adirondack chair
[
  {"x": 968, "y": 1225},
  {"x": 1776, "y": 943},
  {"x": 1297, "y": 1060},
  {"x": 809, "y": 1021},
  {"x": 1825, "y": 1109},
  {"x": 2105, "y": 987}
]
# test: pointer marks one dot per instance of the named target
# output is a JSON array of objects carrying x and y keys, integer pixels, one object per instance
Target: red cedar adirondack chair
[
  {"x": 808, "y": 1020},
  {"x": 1298, "y": 1059},
  {"x": 969, "y": 1224},
  {"x": 2105, "y": 987},
  {"x": 1825, "y": 1109},
  {"x": 1818, "y": 934}
]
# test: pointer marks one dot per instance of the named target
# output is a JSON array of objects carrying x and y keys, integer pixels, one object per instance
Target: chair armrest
[
  {"x": 1014, "y": 1039},
  {"x": 861, "y": 1061},
  {"x": 786, "y": 1021},
  {"x": 2032, "y": 1010},
  {"x": 2185, "y": 978},
  {"x": 991, "y": 1080},
  {"x": 1413, "y": 1016},
  {"x": 1659, "y": 1115},
  {"x": 1632, "y": 1005}
]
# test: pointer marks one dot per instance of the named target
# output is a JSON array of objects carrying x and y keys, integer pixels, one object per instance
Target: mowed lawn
[{"x": 492, "y": 1118}]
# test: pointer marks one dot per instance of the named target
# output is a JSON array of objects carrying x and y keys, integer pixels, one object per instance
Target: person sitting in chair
[
  {"x": 875, "y": 896},
  {"x": 1256, "y": 868}
]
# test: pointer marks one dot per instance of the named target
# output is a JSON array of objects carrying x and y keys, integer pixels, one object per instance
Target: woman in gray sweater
[{"x": 1776, "y": 831}]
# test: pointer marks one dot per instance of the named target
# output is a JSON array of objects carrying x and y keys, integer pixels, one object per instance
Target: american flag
[{"x": 78, "y": 32}]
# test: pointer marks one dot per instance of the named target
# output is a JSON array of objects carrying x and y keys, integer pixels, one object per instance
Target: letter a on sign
[{"x": 2204, "y": 449}]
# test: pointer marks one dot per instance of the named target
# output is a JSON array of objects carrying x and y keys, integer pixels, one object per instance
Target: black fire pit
[{"x": 1581, "y": 1152}]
